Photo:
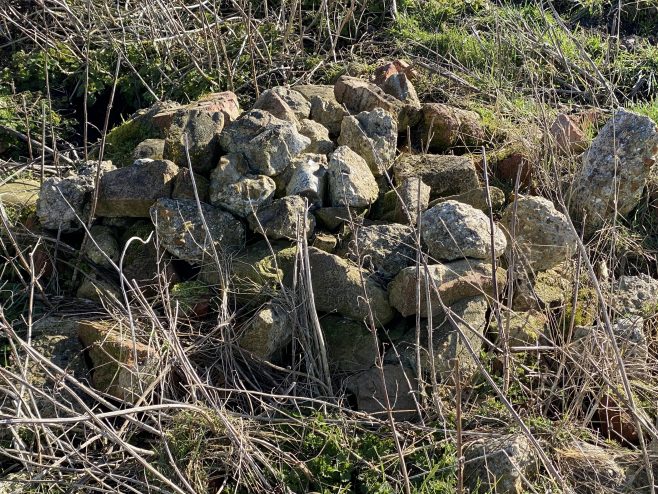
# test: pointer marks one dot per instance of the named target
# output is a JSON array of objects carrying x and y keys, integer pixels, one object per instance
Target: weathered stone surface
[
  {"x": 295, "y": 100},
  {"x": 325, "y": 242},
  {"x": 445, "y": 174},
  {"x": 267, "y": 143},
  {"x": 283, "y": 219},
  {"x": 358, "y": 95},
  {"x": 273, "y": 103},
  {"x": 350, "y": 344},
  {"x": 192, "y": 299},
  {"x": 447, "y": 345},
  {"x": 477, "y": 198},
  {"x": 502, "y": 464},
  {"x": 202, "y": 128},
  {"x": 446, "y": 126},
  {"x": 383, "y": 72},
  {"x": 372, "y": 135},
  {"x": 523, "y": 328},
  {"x": 235, "y": 189},
  {"x": 267, "y": 332},
  {"x": 254, "y": 275},
  {"x": 132, "y": 190},
  {"x": 454, "y": 281},
  {"x": 181, "y": 230},
  {"x": 57, "y": 340},
  {"x": 453, "y": 230},
  {"x": 23, "y": 192},
  {"x": 399, "y": 86},
  {"x": 104, "y": 241},
  {"x": 567, "y": 134},
  {"x": 540, "y": 234},
  {"x": 351, "y": 183},
  {"x": 308, "y": 178},
  {"x": 62, "y": 199},
  {"x": 384, "y": 249},
  {"x": 635, "y": 296},
  {"x": 184, "y": 187},
  {"x": 332, "y": 218},
  {"x": 225, "y": 102},
  {"x": 371, "y": 392},
  {"x": 412, "y": 198},
  {"x": 112, "y": 352},
  {"x": 337, "y": 286},
  {"x": 616, "y": 166},
  {"x": 324, "y": 107},
  {"x": 321, "y": 143},
  {"x": 94, "y": 287},
  {"x": 150, "y": 148}
]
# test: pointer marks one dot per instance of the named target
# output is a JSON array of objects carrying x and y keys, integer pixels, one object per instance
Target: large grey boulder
[
  {"x": 234, "y": 188},
  {"x": 373, "y": 135},
  {"x": 384, "y": 249},
  {"x": 454, "y": 281},
  {"x": 453, "y": 230},
  {"x": 615, "y": 168},
  {"x": 287, "y": 217},
  {"x": 308, "y": 178},
  {"x": 502, "y": 464},
  {"x": 338, "y": 286},
  {"x": 181, "y": 231},
  {"x": 267, "y": 143},
  {"x": 542, "y": 235},
  {"x": 445, "y": 174},
  {"x": 351, "y": 183},
  {"x": 132, "y": 190}
]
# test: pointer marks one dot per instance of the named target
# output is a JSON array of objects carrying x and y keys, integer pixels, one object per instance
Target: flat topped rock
[{"x": 445, "y": 174}]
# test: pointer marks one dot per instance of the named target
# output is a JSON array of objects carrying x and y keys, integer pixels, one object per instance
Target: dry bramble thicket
[{"x": 328, "y": 246}]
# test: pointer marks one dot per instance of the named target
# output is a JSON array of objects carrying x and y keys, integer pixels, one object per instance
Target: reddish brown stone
[
  {"x": 568, "y": 136},
  {"x": 385, "y": 71},
  {"x": 615, "y": 423}
]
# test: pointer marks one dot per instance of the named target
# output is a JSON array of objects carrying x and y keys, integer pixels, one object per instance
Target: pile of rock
[{"x": 322, "y": 163}]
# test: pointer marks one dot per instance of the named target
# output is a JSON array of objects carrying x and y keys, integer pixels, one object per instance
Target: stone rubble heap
[{"x": 323, "y": 162}]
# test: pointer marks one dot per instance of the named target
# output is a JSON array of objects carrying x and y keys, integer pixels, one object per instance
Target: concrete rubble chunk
[
  {"x": 181, "y": 231},
  {"x": 371, "y": 390},
  {"x": 112, "y": 353},
  {"x": 272, "y": 102},
  {"x": 615, "y": 167},
  {"x": 447, "y": 126},
  {"x": 267, "y": 143},
  {"x": 373, "y": 135},
  {"x": 308, "y": 178},
  {"x": 234, "y": 188},
  {"x": 285, "y": 218},
  {"x": 502, "y": 464},
  {"x": 412, "y": 198},
  {"x": 62, "y": 201},
  {"x": 325, "y": 109},
  {"x": 542, "y": 235},
  {"x": 445, "y": 174},
  {"x": 351, "y": 183},
  {"x": 453, "y": 230},
  {"x": 132, "y": 190},
  {"x": 321, "y": 143},
  {"x": 384, "y": 249},
  {"x": 338, "y": 288},
  {"x": 267, "y": 333},
  {"x": 104, "y": 244},
  {"x": 350, "y": 344},
  {"x": 150, "y": 148},
  {"x": 454, "y": 281}
]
